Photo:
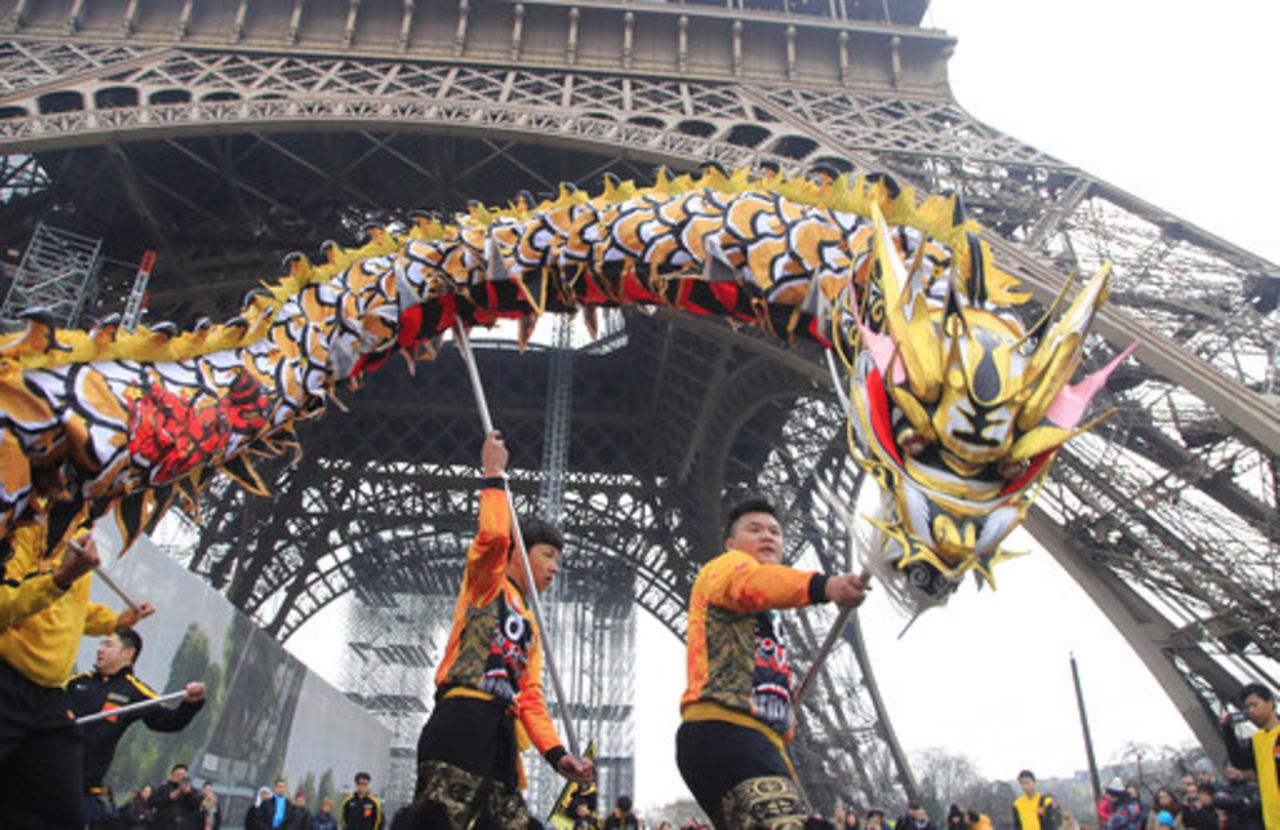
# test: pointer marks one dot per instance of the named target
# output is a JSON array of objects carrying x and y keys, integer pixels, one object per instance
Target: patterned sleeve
[
  {"x": 531, "y": 706},
  {"x": 736, "y": 581},
  {"x": 487, "y": 555}
]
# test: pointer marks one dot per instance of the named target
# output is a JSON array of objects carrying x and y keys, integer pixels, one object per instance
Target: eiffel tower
[{"x": 225, "y": 133}]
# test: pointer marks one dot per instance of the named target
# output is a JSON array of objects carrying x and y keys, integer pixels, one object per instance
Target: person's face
[
  {"x": 326, "y": 805},
  {"x": 1164, "y": 799},
  {"x": 299, "y": 801},
  {"x": 362, "y": 787},
  {"x": 177, "y": 775},
  {"x": 759, "y": 535},
  {"x": 282, "y": 788},
  {"x": 145, "y": 792},
  {"x": 1233, "y": 774},
  {"x": 545, "y": 563},
  {"x": 112, "y": 655},
  {"x": 1206, "y": 799},
  {"x": 581, "y": 811},
  {"x": 1028, "y": 785},
  {"x": 920, "y": 814},
  {"x": 1260, "y": 711},
  {"x": 207, "y": 788},
  {"x": 873, "y": 822}
]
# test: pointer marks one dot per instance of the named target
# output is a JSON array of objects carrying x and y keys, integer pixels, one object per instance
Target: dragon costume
[{"x": 956, "y": 406}]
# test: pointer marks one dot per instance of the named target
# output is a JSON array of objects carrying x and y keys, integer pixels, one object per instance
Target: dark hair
[
  {"x": 913, "y": 805},
  {"x": 1028, "y": 774},
  {"x": 176, "y": 767},
  {"x": 1206, "y": 788},
  {"x": 751, "y": 504},
  {"x": 536, "y": 532},
  {"x": 624, "y": 803},
  {"x": 366, "y": 777},
  {"x": 1257, "y": 689},
  {"x": 131, "y": 639}
]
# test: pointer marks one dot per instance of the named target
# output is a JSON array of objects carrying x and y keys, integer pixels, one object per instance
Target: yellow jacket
[
  {"x": 42, "y": 636},
  {"x": 27, "y": 585}
]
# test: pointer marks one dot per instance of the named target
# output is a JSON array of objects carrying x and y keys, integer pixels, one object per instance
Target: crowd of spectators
[{"x": 178, "y": 804}]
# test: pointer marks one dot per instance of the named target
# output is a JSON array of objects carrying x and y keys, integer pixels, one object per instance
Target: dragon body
[{"x": 957, "y": 407}]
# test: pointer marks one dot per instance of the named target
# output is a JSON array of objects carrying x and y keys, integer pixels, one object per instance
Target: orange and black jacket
[
  {"x": 96, "y": 692},
  {"x": 736, "y": 656},
  {"x": 494, "y": 650}
]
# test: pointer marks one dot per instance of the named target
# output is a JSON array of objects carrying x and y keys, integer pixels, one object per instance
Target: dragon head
[{"x": 958, "y": 409}]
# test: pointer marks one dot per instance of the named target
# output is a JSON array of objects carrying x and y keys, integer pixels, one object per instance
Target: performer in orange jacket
[
  {"x": 489, "y": 684},
  {"x": 738, "y": 713}
]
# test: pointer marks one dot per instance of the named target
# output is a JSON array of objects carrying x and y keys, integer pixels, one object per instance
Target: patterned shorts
[
  {"x": 457, "y": 799},
  {"x": 770, "y": 802}
]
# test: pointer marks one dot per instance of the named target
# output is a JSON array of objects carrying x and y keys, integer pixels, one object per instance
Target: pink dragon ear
[
  {"x": 1069, "y": 405},
  {"x": 881, "y": 347}
]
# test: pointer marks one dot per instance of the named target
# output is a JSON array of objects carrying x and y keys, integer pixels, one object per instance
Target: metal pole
[
  {"x": 115, "y": 586},
  {"x": 132, "y": 707},
  {"x": 107, "y": 580},
  {"x": 477, "y": 387},
  {"x": 1088, "y": 740},
  {"x": 842, "y": 619},
  {"x": 833, "y": 637}
]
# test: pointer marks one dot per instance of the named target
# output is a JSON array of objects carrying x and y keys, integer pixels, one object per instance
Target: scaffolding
[
  {"x": 57, "y": 273},
  {"x": 589, "y": 615}
]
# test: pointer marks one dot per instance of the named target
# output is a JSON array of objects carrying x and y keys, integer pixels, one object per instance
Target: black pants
[
  {"x": 41, "y": 757},
  {"x": 715, "y": 756},
  {"x": 467, "y": 757},
  {"x": 471, "y": 734}
]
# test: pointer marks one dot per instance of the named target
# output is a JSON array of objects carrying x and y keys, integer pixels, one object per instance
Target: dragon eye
[
  {"x": 912, "y": 443},
  {"x": 1011, "y": 470}
]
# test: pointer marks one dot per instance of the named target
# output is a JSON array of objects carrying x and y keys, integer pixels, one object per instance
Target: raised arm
[{"x": 487, "y": 555}]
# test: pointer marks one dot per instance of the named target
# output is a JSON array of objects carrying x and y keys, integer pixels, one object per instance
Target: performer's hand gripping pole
[
  {"x": 842, "y": 619},
  {"x": 570, "y": 732},
  {"x": 132, "y": 707},
  {"x": 107, "y": 580}
]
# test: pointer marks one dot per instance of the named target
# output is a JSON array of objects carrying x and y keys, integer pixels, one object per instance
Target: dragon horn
[
  {"x": 1056, "y": 358},
  {"x": 907, "y": 315}
]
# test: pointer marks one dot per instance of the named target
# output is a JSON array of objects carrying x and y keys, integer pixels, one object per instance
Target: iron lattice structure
[{"x": 224, "y": 133}]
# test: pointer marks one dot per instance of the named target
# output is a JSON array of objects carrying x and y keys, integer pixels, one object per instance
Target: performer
[
  {"x": 111, "y": 685},
  {"x": 737, "y": 710},
  {"x": 489, "y": 684},
  {"x": 41, "y": 763},
  {"x": 1263, "y": 757},
  {"x": 31, "y": 583}
]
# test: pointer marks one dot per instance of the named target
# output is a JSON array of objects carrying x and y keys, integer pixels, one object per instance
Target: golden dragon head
[{"x": 957, "y": 409}]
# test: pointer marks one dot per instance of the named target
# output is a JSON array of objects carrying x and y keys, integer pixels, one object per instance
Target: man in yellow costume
[
  {"x": 489, "y": 683},
  {"x": 45, "y": 613},
  {"x": 1264, "y": 755},
  {"x": 738, "y": 712}
]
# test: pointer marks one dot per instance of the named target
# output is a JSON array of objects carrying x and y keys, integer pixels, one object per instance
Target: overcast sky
[{"x": 1166, "y": 100}]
